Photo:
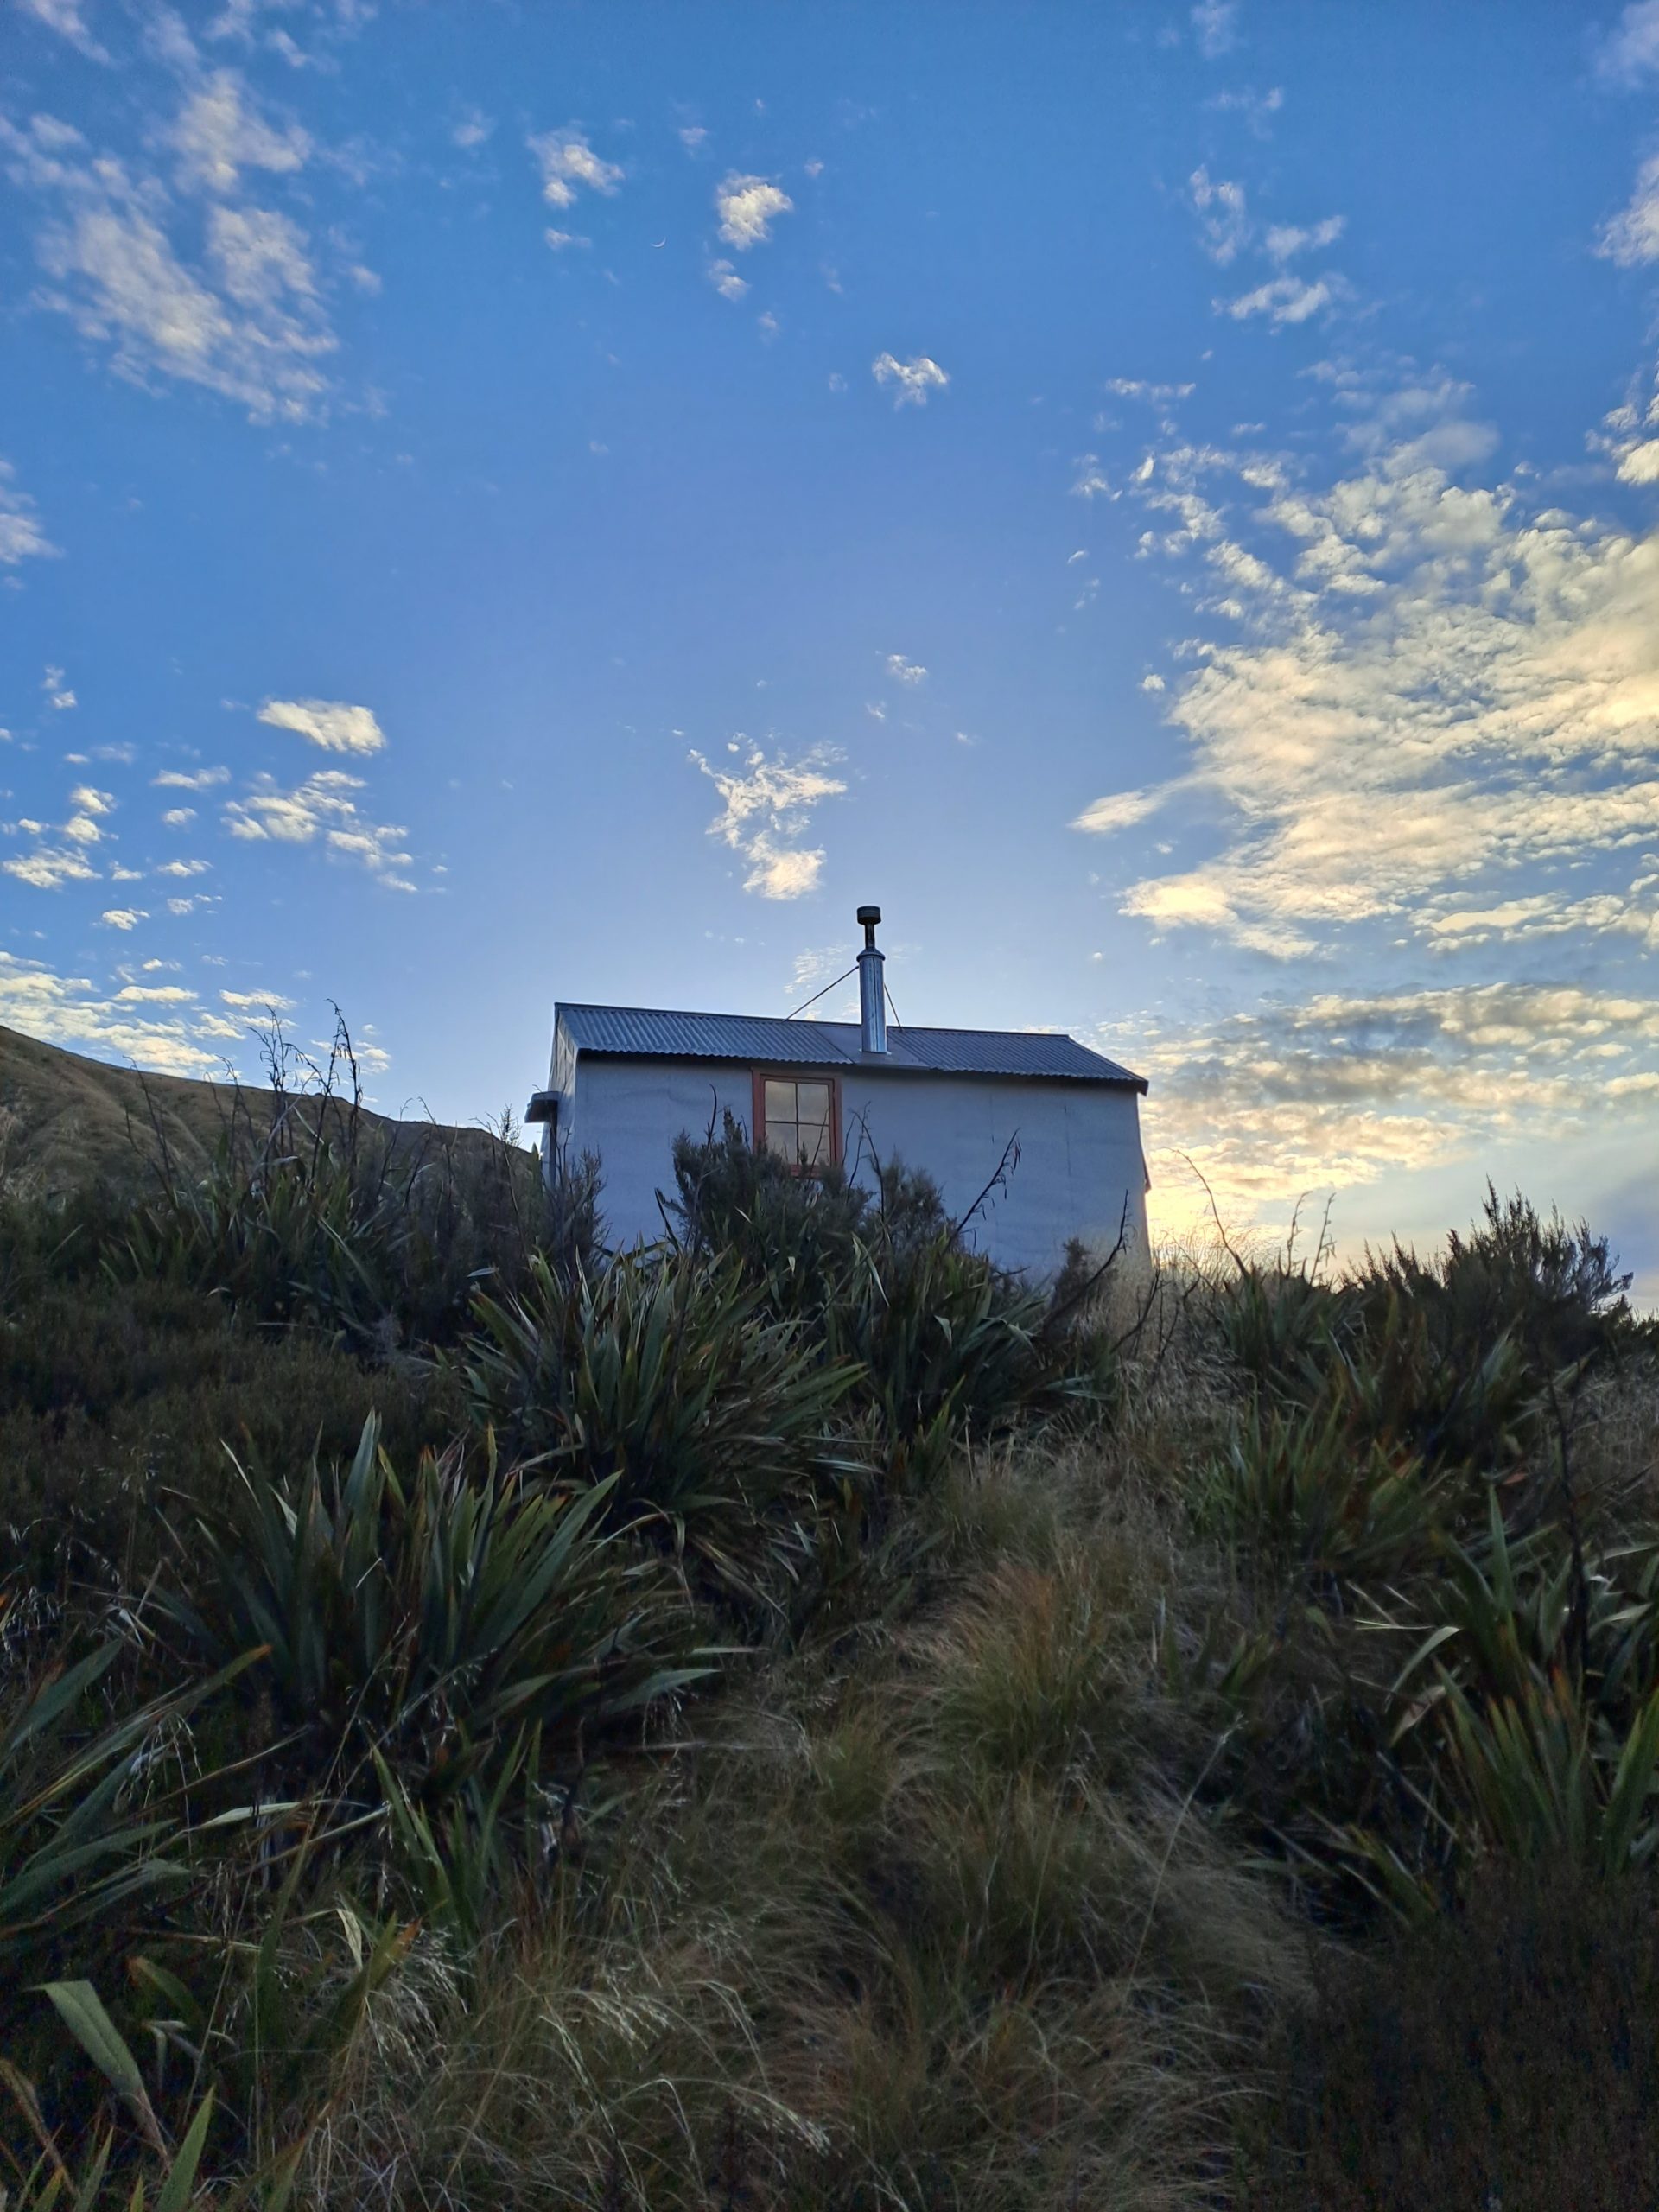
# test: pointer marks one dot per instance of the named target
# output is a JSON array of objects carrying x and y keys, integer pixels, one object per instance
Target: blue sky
[{"x": 503, "y": 504}]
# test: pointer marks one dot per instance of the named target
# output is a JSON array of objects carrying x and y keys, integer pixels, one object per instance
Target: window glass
[{"x": 796, "y": 1117}]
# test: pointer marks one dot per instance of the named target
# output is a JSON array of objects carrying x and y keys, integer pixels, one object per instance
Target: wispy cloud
[
  {"x": 1224, "y": 222},
  {"x": 903, "y": 671},
  {"x": 323, "y": 810},
  {"x": 472, "y": 129},
  {"x": 1631, "y": 51},
  {"x": 22, "y": 537},
  {"x": 1344, "y": 1088},
  {"x": 48, "y": 865},
  {"x": 1257, "y": 108},
  {"x": 219, "y": 132},
  {"x": 912, "y": 380},
  {"x": 748, "y": 206},
  {"x": 331, "y": 724},
  {"x": 764, "y": 809},
  {"x": 725, "y": 281},
  {"x": 1226, "y": 230},
  {"x": 1631, "y": 237},
  {"x": 1436, "y": 688},
  {"x": 58, "y": 693},
  {"x": 244, "y": 319},
  {"x": 70, "y": 1010},
  {"x": 69, "y": 19},
  {"x": 1283, "y": 299},
  {"x": 1215, "y": 25},
  {"x": 567, "y": 163},
  {"x": 196, "y": 779}
]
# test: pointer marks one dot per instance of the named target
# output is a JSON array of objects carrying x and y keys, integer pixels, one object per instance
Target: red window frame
[{"x": 761, "y": 1077}]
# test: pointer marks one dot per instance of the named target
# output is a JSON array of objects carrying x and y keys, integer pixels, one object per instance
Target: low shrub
[
  {"x": 1506, "y": 2055},
  {"x": 661, "y": 1380},
  {"x": 429, "y": 1622}
]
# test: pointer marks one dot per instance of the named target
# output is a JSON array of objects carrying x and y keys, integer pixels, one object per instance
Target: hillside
[
  {"x": 67, "y": 1121},
  {"x": 787, "y": 1720}
]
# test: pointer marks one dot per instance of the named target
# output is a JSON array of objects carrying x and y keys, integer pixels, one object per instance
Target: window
[{"x": 796, "y": 1117}]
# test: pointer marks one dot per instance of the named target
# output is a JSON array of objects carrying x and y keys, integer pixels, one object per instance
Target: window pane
[
  {"x": 815, "y": 1144},
  {"x": 784, "y": 1137},
  {"x": 780, "y": 1102},
  {"x": 814, "y": 1099}
]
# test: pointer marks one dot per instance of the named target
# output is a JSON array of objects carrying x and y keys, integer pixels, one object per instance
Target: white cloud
[
  {"x": 567, "y": 161},
  {"x": 1225, "y": 227},
  {"x": 1632, "y": 236},
  {"x": 50, "y": 867},
  {"x": 244, "y": 322},
  {"x": 764, "y": 809},
  {"x": 1256, "y": 108},
  {"x": 1344, "y": 1088},
  {"x": 1226, "y": 230},
  {"x": 218, "y": 134},
  {"x": 154, "y": 994},
  {"x": 558, "y": 240},
  {"x": 1631, "y": 50},
  {"x": 692, "y": 137},
  {"x": 258, "y": 1001},
  {"x": 1121, "y": 811},
  {"x": 1215, "y": 25},
  {"x": 183, "y": 867},
  {"x": 330, "y": 723},
  {"x": 1407, "y": 693},
  {"x": 67, "y": 18},
  {"x": 903, "y": 671},
  {"x": 260, "y": 258},
  {"x": 67, "y": 1010},
  {"x": 1092, "y": 482},
  {"x": 122, "y": 918},
  {"x": 179, "y": 817},
  {"x": 914, "y": 379},
  {"x": 1155, "y": 395},
  {"x": 472, "y": 130},
  {"x": 199, "y": 780},
  {"x": 1639, "y": 464},
  {"x": 726, "y": 280},
  {"x": 22, "y": 537},
  {"x": 57, "y": 692},
  {"x": 321, "y": 809},
  {"x": 749, "y": 205},
  {"x": 1284, "y": 241},
  {"x": 1283, "y": 299}
]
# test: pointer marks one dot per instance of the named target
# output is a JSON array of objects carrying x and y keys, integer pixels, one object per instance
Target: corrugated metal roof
[{"x": 631, "y": 1032}]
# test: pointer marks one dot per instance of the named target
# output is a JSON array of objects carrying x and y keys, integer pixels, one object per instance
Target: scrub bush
[{"x": 429, "y": 1622}]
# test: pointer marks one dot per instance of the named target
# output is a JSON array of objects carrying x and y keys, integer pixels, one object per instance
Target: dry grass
[{"x": 904, "y": 1934}]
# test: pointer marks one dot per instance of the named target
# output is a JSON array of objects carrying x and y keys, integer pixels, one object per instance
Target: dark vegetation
[{"x": 791, "y": 1717}]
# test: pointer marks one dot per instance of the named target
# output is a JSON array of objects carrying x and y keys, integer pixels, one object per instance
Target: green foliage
[
  {"x": 75, "y": 1849},
  {"x": 426, "y": 1621},
  {"x": 1309, "y": 1500},
  {"x": 946, "y": 1346},
  {"x": 107, "y": 1390},
  {"x": 660, "y": 1385}
]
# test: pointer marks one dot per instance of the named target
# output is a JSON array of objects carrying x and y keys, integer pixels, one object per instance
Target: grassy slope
[{"x": 65, "y": 1120}]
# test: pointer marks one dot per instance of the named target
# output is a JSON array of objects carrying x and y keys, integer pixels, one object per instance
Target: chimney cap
[{"x": 868, "y": 914}]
